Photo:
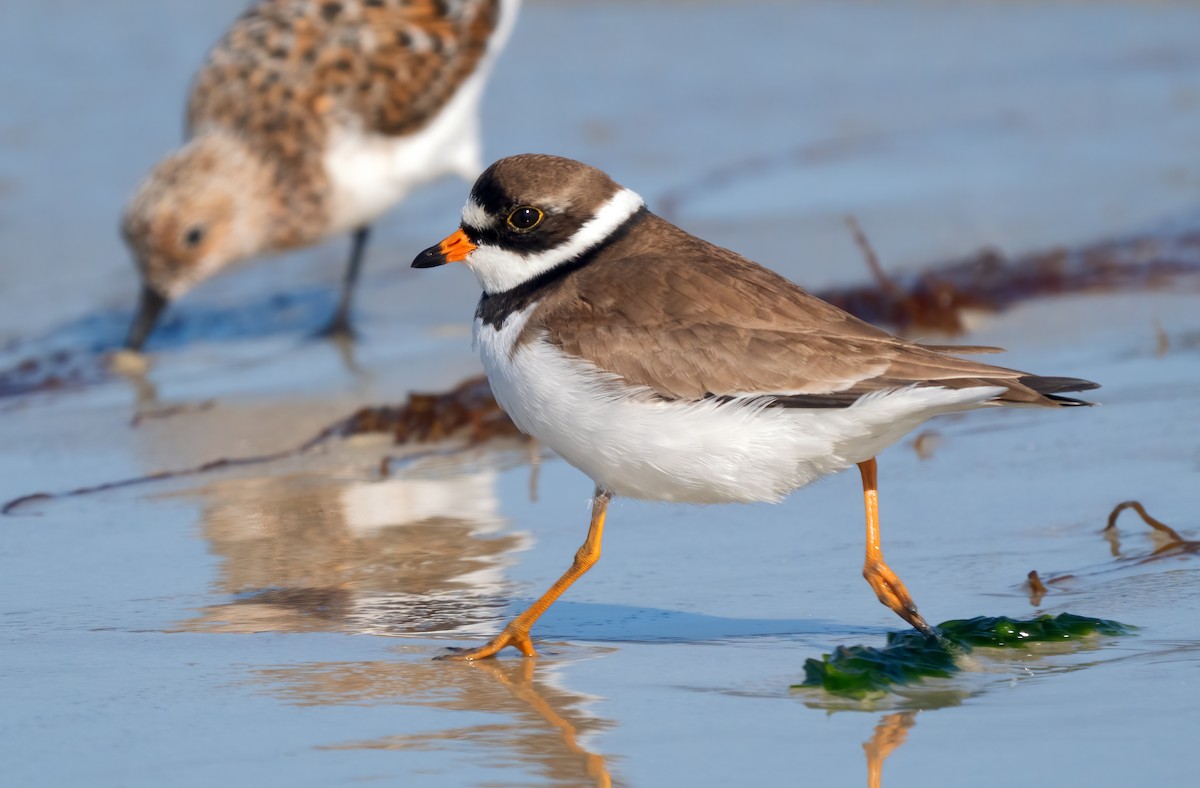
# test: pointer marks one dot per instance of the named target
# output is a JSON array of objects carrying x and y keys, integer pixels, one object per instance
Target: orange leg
[
  {"x": 516, "y": 634},
  {"x": 887, "y": 584}
]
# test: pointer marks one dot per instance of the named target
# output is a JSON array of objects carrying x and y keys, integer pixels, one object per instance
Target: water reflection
[
  {"x": 544, "y": 726},
  {"x": 890, "y": 733},
  {"x": 424, "y": 551},
  {"x": 302, "y": 553},
  {"x": 984, "y": 670}
]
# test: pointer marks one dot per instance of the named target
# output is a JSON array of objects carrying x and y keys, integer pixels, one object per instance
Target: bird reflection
[
  {"x": 304, "y": 553},
  {"x": 890, "y": 733},
  {"x": 424, "y": 551},
  {"x": 543, "y": 726}
]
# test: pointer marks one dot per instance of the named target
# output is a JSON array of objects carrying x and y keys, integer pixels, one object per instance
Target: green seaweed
[
  {"x": 909, "y": 657},
  {"x": 1002, "y": 631}
]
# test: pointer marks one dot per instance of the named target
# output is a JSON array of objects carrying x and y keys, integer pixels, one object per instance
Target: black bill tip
[
  {"x": 430, "y": 258},
  {"x": 150, "y": 308}
]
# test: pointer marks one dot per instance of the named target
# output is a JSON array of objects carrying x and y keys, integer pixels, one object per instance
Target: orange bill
[{"x": 453, "y": 249}]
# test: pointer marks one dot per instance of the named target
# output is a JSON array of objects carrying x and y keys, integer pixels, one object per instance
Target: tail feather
[
  {"x": 1052, "y": 387},
  {"x": 1068, "y": 402},
  {"x": 962, "y": 350}
]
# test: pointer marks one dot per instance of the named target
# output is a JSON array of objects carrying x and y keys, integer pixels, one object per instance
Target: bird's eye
[
  {"x": 525, "y": 218},
  {"x": 193, "y": 237}
]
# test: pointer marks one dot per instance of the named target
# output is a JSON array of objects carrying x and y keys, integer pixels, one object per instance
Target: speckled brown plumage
[
  {"x": 288, "y": 70},
  {"x": 309, "y": 119}
]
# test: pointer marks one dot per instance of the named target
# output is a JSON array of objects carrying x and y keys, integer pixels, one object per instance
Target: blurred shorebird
[
  {"x": 311, "y": 119},
  {"x": 669, "y": 369}
]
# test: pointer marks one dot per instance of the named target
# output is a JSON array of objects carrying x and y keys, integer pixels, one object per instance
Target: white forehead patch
[
  {"x": 499, "y": 270},
  {"x": 473, "y": 215}
]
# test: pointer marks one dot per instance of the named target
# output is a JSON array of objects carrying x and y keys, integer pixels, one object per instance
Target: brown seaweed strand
[{"x": 211, "y": 465}]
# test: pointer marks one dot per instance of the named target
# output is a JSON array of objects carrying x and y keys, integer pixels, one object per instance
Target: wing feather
[{"x": 712, "y": 324}]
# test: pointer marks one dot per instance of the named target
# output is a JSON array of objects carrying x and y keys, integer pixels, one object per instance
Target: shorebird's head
[
  {"x": 529, "y": 214},
  {"x": 193, "y": 215}
]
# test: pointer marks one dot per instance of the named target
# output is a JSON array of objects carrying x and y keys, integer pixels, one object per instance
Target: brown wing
[
  {"x": 390, "y": 65},
  {"x": 708, "y": 323}
]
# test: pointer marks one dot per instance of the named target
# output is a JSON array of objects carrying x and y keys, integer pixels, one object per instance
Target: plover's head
[
  {"x": 529, "y": 214},
  {"x": 194, "y": 214}
]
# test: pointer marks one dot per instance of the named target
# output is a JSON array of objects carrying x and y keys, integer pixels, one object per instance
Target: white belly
[
  {"x": 699, "y": 452},
  {"x": 370, "y": 173}
]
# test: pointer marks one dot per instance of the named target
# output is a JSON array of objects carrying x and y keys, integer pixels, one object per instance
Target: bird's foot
[
  {"x": 518, "y": 639},
  {"x": 891, "y": 591}
]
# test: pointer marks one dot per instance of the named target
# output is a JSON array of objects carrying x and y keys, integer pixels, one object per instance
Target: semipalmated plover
[
  {"x": 669, "y": 369},
  {"x": 307, "y": 120}
]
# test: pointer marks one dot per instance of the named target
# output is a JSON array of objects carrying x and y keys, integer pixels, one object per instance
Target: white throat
[{"x": 499, "y": 270}]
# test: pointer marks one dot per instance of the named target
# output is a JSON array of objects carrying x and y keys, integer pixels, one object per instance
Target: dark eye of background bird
[{"x": 193, "y": 237}]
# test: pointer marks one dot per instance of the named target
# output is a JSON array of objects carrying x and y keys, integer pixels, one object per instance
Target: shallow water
[{"x": 276, "y": 623}]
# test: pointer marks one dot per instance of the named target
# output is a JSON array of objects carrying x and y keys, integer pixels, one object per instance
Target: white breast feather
[{"x": 698, "y": 452}]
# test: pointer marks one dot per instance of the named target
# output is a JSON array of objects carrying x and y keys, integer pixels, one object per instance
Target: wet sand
[{"x": 276, "y": 623}]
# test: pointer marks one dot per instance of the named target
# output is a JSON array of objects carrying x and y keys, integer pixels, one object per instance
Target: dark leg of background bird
[
  {"x": 516, "y": 634},
  {"x": 886, "y": 583},
  {"x": 339, "y": 326}
]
